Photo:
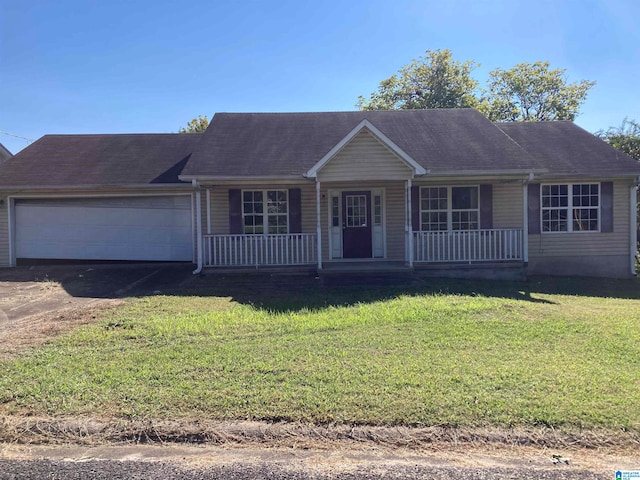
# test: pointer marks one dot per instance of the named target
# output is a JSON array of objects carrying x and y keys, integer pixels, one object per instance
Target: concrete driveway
[{"x": 40, "y": 301}]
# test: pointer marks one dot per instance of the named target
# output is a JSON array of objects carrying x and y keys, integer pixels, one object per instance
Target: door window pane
[{"x": 356, "y": 210}]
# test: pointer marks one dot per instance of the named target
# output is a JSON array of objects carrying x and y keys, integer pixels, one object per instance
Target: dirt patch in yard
[
  {"x": 41, "y": 302},
  {"x": 34, "y": 330},
  {"x": 204, "y": 443},
  {"x": 90, "y": 430}
]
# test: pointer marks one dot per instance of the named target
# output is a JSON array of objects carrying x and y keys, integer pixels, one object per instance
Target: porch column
[
  {"x": 408, "y": 227},
  {"x": 198, "y": 227},
  {"x": 208, "y": 211},
  {"x": 633, "y": 225},
  {"x": 525, "y": 221},
  {"x": 318, "y": 228}
]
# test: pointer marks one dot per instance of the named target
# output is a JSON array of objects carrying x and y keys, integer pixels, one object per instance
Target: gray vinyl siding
[
  {"x": 507, "y": 205},
  {"x": 4, "y": 232},
  {"x": 588, "y": 243},
  {"x": 219, "y": 210},
  {"x": 364, "y": 159},
  {"x": 395, "y": 220}
]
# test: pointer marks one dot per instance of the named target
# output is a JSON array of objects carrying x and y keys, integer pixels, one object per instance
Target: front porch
[
  {"x": 489, "y": 246},
  {"x": 468, "y": 246}
]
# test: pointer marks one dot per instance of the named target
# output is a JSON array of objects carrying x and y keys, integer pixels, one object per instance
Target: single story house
[{"x": 329, "y": 190}]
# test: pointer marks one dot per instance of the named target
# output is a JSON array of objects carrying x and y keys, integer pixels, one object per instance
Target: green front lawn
[{"x": 417, "y": 356}]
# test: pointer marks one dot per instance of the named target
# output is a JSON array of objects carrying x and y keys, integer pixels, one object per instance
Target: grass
[{"x": 412, "y": 356}]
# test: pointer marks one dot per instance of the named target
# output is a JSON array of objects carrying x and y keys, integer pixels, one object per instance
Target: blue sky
[{"x": 123, "y": 66}]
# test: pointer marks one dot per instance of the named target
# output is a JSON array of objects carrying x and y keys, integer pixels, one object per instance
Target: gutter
[
  {"x": 108, "y": 187},
  {"x": 487, "y": 173},
  {"x": 241, "y": 178}
]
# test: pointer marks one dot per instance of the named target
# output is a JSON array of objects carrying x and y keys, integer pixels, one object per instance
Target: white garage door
[{"x": 123, "y": 228}]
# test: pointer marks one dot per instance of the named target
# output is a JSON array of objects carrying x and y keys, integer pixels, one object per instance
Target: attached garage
[{"x": 145, "y": 228}]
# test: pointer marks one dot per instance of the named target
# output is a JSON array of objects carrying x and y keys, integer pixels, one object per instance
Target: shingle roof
[
  {"x": 566, "y": 149},
  {"x": 4, "y": 153},
  {"x": 289, "y": 144},
  {"x": 118, "y": 159}
]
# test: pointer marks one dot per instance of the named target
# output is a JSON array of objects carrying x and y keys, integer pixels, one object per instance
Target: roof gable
[
  {"x": 365, "y": 158},
  {"x": 366, "y": 125}
]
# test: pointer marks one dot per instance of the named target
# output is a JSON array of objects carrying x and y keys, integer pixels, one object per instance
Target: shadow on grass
[
  {"x": 287, "y": 293},
  {"x": 292, "y": 292}
]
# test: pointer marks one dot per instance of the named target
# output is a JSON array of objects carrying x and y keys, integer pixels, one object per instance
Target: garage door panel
[{"x": 149, "y": 228}]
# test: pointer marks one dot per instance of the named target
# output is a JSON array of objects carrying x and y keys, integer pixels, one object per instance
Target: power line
[{"x": 30, "y": 140}]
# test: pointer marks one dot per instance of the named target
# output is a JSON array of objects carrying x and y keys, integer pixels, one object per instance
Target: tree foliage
[
  {"x": 435, "y": 80},
  {"x": 626, "y": 137},
  {"x": 531, "y": 92},
  {"x": 197, "y": 125},
  {"x": 526, "y": 92}
]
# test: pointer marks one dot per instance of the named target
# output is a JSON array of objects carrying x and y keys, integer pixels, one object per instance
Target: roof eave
[
  {"x": 486, "y": 173},
  {"x": 596, "y": 175},
  {"x": 225, "y": 178},
  {"x": 120, "y": 186}
]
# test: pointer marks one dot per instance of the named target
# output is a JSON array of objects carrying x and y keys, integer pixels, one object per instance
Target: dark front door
[{"x": 356, "y": 224}]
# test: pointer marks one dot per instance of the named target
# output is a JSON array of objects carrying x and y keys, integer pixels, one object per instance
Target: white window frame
[
  {"x": 570, "y": 208},
  {"x": 265, "y": 213},
  {"x": 450, "y": 210}
]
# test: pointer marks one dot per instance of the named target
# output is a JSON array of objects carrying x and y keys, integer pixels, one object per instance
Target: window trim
[
  {"x": 450, "y": 208},
  {"x": 265, "y": 213},
  {"x": 570, "y": 209}
]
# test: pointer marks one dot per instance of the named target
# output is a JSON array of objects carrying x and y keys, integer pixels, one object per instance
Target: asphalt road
[{"x": 136, "y": 470}]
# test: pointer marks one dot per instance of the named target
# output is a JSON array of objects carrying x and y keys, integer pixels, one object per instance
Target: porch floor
[
  {"x": 514, "y": 270},
  {"x": 392, "y": 272}
]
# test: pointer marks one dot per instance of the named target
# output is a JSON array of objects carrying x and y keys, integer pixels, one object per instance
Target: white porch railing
[
  {"x": 468, "y": 246},
  {"x": 260, "y": 250}
]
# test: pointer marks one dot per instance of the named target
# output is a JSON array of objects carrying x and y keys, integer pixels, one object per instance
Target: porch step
[
  {"x": 338, "y": 274},
  {"x": 364, "y": 268}
]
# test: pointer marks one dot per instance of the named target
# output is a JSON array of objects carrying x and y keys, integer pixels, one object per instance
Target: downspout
[
  {"x": 10, "y": 212},
  {"x": 633, "y": 224},
  {"x": 525, "y": 218},
  {"x": 194, "y": 182}
]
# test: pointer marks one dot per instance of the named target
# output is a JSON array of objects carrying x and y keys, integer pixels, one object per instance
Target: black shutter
[
  {"x": 415, "y": 209},
  {"x": 235, "y": 211},
  {"x": 486, "y": 206},
  {"x": 295, "y": 210},
  {"x": 534, "y": 208},
  {"x": 606, "y": 207}
]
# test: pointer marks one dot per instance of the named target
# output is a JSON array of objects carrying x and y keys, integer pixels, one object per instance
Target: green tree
[
  {"x": 197, "y": 125},
  {"x": 626, "y": 137},
  {"x": 435, "y": 80},
  {"x": 532, "y": 92}
]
